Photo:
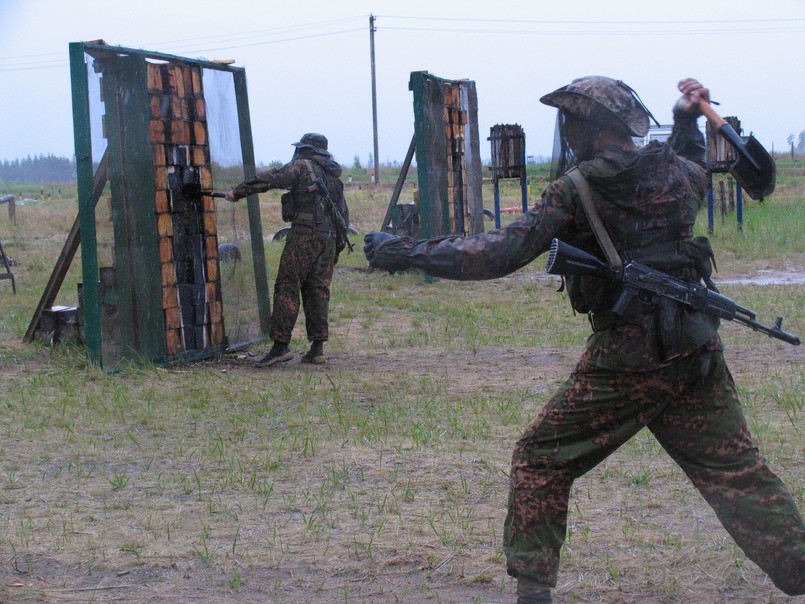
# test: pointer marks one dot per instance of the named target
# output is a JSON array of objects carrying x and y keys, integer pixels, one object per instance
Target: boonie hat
[
  {"x": 601, "y": 99},
  {"x": 314, "y": 141}
]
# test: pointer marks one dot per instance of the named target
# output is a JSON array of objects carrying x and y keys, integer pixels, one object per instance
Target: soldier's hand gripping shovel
[
  {"x": 754, "y": 169},
  {"x": 209, "y": 193}
]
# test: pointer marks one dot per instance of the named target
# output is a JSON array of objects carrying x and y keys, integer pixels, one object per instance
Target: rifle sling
[{"x": 600, "y": 231}]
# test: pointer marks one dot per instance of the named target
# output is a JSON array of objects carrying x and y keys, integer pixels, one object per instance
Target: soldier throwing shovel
[{"x": 654, "y": 363}]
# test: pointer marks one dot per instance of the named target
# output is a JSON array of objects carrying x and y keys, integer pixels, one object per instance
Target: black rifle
[
  {"x": 639, "y": 279},
  {"x": 341, "y": 226}
]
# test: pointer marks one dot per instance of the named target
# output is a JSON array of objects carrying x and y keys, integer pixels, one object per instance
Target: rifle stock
[{"x": 639, "y": 279}]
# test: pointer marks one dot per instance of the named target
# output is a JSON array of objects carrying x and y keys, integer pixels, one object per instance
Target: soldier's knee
[
  {"x": 787, "y": 572},
  {"x": 792, "y": 584}
]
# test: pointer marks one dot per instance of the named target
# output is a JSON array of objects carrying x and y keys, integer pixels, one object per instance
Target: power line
[
  {"x": 593, "y": 22},
  {"x": 20, "y": 61},
  {"x": 588, "y": 27},
  {"x": 266, "y": 42},
  {"x": 586, "y": 32},
  {"x": 32, "y": 66}
]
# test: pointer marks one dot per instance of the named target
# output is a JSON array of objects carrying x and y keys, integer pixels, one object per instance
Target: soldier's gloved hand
[
  {"x": 372, "y": 240},
  {"x": 693, "y": 93}
]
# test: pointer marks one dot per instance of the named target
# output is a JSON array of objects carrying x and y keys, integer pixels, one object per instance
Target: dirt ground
[
  {"x": 657, "y": 544},
  {"x": 472, "y": 575}
]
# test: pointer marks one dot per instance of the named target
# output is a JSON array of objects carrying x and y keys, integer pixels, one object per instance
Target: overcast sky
[{"x": 308, "y": 68}]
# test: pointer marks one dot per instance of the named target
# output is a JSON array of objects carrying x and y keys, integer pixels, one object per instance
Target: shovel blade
[{"x": 755, "y": 170}]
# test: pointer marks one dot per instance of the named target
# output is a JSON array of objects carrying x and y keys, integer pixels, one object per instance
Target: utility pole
[{"x": 374, "y": 95}]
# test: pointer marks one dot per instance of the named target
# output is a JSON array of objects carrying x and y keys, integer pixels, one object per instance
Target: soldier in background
[
  {"x": 657, "y": 365},
  {"x": 306, "y": 265}
]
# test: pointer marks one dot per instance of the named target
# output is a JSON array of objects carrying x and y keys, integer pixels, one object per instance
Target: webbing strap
[
  {"x": 594, "y": 219},
  {"x": 311, "y": 171}
]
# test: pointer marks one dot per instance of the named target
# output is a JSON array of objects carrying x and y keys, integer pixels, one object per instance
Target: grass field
[{"x": 382, "y": 476}]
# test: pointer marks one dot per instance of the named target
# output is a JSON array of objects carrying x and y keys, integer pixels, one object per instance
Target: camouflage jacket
[
  {"x": 296, "y": 177},
  {"x": 645, "y": 197}
]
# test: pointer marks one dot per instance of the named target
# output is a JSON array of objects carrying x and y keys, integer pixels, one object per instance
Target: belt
[
  {"x": 604, "y": 319},
  {"x": 307, "y": 219},
  {"x": 601, "y": 321}
]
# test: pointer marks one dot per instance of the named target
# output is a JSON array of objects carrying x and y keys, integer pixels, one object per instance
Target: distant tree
[
  {"x": 356, "y": 163},
  {"x": 801, "y": 144},
  {"x": 39, "y": 169}
]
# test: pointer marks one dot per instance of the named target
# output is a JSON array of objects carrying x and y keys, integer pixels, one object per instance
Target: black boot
[
  {"x": 315, "y": 354},
  {"x": 532, "y": 592},
  {"x": 279, "y": 353}
]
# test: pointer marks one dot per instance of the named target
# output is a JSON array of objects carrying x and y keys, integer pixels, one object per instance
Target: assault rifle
[
  {"x": 639, "y": 279},
  {"x": 341, "y": 226}
]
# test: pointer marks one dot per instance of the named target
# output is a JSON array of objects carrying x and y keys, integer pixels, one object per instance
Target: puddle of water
[
  {"x": 766, "y": 277},
  {"x": 761, "y": 277}
]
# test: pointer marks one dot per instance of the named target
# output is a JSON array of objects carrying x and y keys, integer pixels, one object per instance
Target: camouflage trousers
[
  {"x": 306, "y": 267},
  {"x": 692, "y": 409}
]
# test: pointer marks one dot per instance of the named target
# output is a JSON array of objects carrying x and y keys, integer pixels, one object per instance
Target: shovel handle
[
  {"x": 728, "y": 132},
  {"x": 716, "y": 121}
]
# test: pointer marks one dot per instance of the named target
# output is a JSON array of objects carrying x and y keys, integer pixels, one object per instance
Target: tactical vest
[
  {"x": 687, "y": 260},
  {"x": 310, "y": 203}
]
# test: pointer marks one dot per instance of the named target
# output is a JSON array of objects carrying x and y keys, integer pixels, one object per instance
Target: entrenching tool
[
  {"x": 754, "y": 169},
  {"x": 208, "y": 193},
  {"x": 192, "y": 190}
]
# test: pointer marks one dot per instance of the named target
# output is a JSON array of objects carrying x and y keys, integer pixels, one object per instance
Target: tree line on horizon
[{"x": 38, "y": 169}]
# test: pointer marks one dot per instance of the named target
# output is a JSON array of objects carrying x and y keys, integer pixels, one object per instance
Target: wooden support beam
[
  {"x": 67, "y": 254},
  {"x": 395, "y": 196}
]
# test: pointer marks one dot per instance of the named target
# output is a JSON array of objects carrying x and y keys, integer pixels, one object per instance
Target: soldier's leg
[
  {"x": 592, "y": 414},
  {"x": 316, "y": 293},
  {"x": 295, "y": 263},
  {"x": 705, "y": 432}
]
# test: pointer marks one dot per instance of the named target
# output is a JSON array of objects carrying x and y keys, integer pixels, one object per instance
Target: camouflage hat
[
  {"x": 600, "y": 99},
  {"x": 316, "y": 142}
]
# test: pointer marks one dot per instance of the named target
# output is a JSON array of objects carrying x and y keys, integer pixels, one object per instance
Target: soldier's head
[
  {"x": 316, "y": 143},
  {"x": 594, "y": 104}
]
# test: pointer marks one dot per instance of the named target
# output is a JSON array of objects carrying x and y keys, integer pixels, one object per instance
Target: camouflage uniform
[
  {"x": 648, "y": 199},
  {"x": 307, "y": 261}
]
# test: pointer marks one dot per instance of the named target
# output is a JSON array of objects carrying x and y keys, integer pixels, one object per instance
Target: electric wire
[{"x": 526, "y": 27}]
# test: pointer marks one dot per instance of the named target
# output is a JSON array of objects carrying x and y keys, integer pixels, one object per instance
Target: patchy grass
[{"x": 379, "y": 477}]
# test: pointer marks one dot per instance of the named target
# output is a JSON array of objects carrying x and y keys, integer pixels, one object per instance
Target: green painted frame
[
  {"x": 431, "y": 144},
  {"x": 143, "y": 320}
]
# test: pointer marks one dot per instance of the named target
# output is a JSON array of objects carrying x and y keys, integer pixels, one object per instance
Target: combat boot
[
  {"x": 315, "y": 354},
  {"x": 279, "y": 353},
  {"x": 532, "y": 592}
]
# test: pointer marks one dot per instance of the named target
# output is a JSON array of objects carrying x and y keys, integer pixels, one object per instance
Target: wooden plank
[
  {"x": 200, "y": 110},
  {"x": 395, "y": 196},
  {"x": 68, "y": 253},
  {"x": 173, "y": 341},
  {"x": 198, "y": 155},
  {"x": 168, "y": 271},
  {"x": 166, "y": 249},
  {"x": 158, "y": 131},
  {"x": 216, "y": 334},
  {"x": 199, "y": 133},
  {"x": 162, "y": 203},
  {"x": 170, "y": 297},
  {"x": 198, "y": 90}
]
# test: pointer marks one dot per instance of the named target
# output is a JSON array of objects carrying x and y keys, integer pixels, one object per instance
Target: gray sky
[{"x": 308, "y": 69}]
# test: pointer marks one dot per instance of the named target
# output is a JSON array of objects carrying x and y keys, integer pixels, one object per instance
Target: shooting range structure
[
  {"x": 720, "y": 155},
  {"x": 508, "y": 161},
  {"x": 152, "y": 282},
  {"x": 447, "y": 148},
  {"x": 6, "y": 263},
  {"x": 7, "y": 266}
]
